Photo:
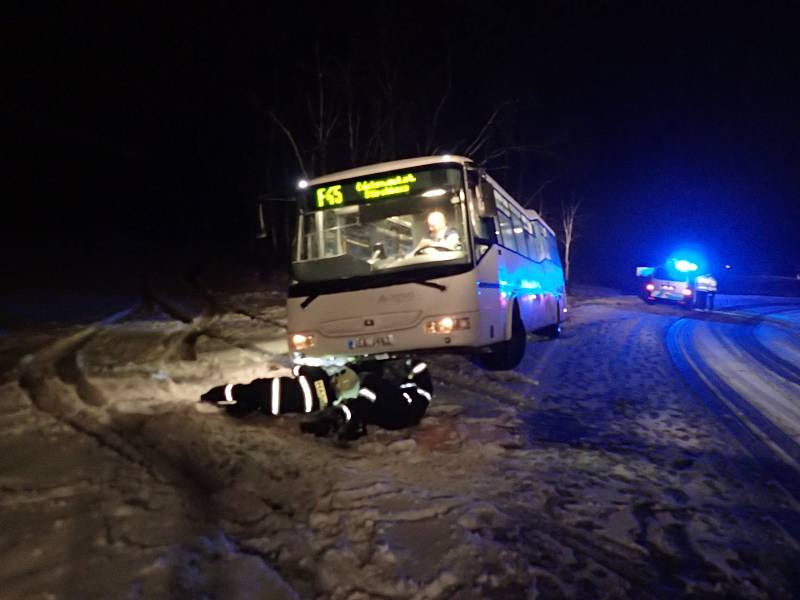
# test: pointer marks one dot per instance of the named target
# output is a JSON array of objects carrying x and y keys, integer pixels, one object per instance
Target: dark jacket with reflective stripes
[
  {"x": 388, "y": 404},
  {"x": 309, "y": 390},
  {"x": 392, "y": 404}
]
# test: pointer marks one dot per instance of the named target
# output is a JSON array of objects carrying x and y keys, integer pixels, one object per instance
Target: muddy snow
[{"x": 592, "y": 471}]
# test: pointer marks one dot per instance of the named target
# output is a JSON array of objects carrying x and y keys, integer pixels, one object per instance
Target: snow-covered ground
[{"x": 592, "y": 471}]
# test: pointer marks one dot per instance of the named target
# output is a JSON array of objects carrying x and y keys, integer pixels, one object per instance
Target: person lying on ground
[{"x": 344, "y": 403}]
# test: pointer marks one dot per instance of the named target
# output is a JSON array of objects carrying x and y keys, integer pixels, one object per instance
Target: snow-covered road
[
  {"x": 745, "y": 363},
  {"x": 593, "y": 470}
]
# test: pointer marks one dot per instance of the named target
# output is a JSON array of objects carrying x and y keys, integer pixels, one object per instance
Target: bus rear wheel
[{"x": 507, "y": 355}]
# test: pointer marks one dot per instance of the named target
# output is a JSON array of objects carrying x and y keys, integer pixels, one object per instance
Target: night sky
[{"x": 676, "y": 125}]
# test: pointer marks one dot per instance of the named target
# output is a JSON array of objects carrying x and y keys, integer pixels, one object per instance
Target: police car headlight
[
  {"x": 301, "y": 341},
  {"x": 447, "y": 325}
]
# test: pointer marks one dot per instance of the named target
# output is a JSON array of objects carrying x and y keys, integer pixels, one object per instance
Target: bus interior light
[{"x": 447, "y": 325}]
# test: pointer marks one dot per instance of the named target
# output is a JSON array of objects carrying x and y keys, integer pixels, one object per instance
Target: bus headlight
[
  {"x": 447, "y": 325},
  {"x": 301, "y": 341},
  {"x": 687, "y": 292}
]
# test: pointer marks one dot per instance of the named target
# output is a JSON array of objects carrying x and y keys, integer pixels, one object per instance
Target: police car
[
  {"x": 670, "y": 285},
  {"x": 676, "y": 282}
]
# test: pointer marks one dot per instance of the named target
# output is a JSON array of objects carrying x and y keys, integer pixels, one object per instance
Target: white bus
[{"x": 378, "y": 275}]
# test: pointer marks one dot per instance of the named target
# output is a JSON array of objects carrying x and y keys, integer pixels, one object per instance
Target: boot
[
  {"x": 327, "y": 422},
  {"x": 352, "y": 430},
  {"x": 215, "y": 395}
]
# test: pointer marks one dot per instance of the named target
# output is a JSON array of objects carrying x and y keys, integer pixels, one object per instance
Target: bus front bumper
[{"x": 339, "y": 350}]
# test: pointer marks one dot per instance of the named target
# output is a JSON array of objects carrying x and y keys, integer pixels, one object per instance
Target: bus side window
[
  {"x": 506, "y": 225},
  {"x": 530, "y": 241},
  {"x": 507, "y": 230},
  {"x": 498, "y": 231},
  {"x": 484, "y": 227},
  {"x": 541, "y": 233},
  {"x": 533, "y": 244},
  {"x": 548, "y": 243},
  {"x": 519, "y": 234},
  {"x": 553, "y": 247}
]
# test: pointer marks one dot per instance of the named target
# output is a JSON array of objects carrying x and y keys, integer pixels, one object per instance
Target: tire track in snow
[
  {"x": 50, "y": 373},
  {"x": 57, "y": 386},
  {"x": 756, "y": 434},
  {"x": 763, "y": 354},
  {"x": 206, "y": 321}
]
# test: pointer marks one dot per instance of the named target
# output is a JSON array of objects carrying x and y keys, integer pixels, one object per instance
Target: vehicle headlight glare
[
  {"x": 447, "y": 324},
  {"x": 301, "y": 341}
]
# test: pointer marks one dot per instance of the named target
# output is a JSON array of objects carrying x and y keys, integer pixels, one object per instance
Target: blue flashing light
[
  {"x": 685, "y": 266},
  {"x": 687, "y": 259}
]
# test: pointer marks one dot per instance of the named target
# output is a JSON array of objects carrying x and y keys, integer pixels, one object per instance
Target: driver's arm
[
  {"x": 425, "y": 242},
  {"x": 453, "y": 240}
]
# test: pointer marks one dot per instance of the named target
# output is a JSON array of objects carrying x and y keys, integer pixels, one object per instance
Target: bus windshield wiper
[
  {"x": 438, "y": 286},
  {"x": 304, "y": 304}
]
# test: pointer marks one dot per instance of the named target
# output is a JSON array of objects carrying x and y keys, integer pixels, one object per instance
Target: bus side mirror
[
  {"x": 486, "y": 204},
  {"x": 487, "y": 225}
]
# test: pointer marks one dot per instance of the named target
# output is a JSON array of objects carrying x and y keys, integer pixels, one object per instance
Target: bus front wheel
[{"x": 507, "y": 355}]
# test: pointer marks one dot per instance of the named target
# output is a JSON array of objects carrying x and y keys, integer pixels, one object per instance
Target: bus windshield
[{"x": 381, "y": 224}]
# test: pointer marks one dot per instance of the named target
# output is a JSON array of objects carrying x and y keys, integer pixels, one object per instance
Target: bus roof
[{"x": 406, "y": 163}]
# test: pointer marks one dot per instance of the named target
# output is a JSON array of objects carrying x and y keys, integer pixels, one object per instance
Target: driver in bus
[{"x": 440, "y": 237}]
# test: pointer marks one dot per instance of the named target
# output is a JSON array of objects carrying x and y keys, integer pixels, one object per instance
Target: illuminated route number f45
[{"x": 329, "y": 196}]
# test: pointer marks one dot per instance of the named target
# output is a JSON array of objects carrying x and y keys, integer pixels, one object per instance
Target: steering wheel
[{"x": 424, "y": 249}]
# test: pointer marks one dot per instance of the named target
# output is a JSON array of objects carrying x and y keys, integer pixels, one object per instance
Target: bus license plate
[{"x": 370, "y": 341}]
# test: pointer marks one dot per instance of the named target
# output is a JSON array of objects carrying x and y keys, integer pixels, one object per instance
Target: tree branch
[
  {"x": 482, "y": 136},
  {"x": 532, "y": 197},
  {"x": 290, "y": 137},
  {"x": 442, "y": 100}
]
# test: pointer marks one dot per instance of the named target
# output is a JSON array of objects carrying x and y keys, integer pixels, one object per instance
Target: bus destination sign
[{"x": 365, "y": 190}]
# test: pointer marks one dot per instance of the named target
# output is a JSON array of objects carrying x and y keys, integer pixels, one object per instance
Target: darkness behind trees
[{"x": 675, "y": 125}]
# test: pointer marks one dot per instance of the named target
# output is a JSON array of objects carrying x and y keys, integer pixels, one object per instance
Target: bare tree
[
  {"x": 569, "y": 218},
  {"x": 292, "y": 141},
  {"x": 353, "y": 115},
  {"x": 323, "y": 117},
  {"x": 429, "y": 143},
  {"x": 485, "y": 133}
]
